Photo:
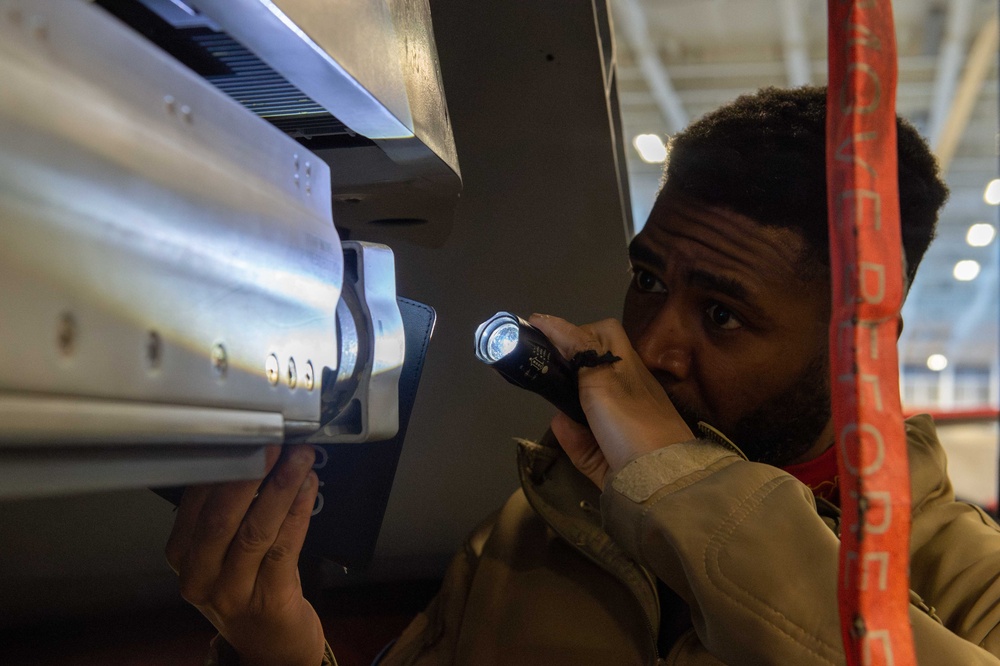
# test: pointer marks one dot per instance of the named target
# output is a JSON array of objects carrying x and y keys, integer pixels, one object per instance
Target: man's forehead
[{"x": 677, "y": 222}]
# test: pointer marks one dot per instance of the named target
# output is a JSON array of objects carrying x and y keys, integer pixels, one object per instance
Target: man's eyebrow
[
  {"x": 638, "y": 251},
  {"x": 720, "y": 283},
  {"x": 732, "y": 287}
]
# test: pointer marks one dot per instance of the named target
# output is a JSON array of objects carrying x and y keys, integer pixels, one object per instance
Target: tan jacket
[{"x": 741, "y": 543}]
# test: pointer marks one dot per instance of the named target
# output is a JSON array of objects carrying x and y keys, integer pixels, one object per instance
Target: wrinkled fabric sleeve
[
  {"x": 432, "y": 637},
  {"x": 955, "y": 561},
  {"x": 743, "y": 545}
]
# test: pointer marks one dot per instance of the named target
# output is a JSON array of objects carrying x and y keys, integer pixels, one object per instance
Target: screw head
[
  {"x": 309, "y": 376},
  {"x": 293, "y": 378},
  {"x": 220, "y": 359},
  {"x": 271, "y": 369}
]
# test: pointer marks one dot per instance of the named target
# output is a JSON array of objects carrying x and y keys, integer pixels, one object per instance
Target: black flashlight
[{"x": 526, "y": 358}]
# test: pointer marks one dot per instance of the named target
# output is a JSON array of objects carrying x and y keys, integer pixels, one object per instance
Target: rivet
[
  {"x": 171, "y": 104},
  {"x": 66, "y": 333},
  {"x": 220, "y": 359},
  {"x": 858, "y": 629},
  {"x": 186, "y": 113},
  {"x": 293, "y": 378},
  {"x": 271, "y": 369},
  {"x": 309, "y": 376}
]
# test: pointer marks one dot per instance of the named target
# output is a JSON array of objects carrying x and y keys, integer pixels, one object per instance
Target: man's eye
[
  {"x": 646, "y": 281},
  {"x": 722, "y": 317}
]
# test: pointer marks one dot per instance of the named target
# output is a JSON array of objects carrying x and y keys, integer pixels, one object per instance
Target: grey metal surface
[
  {"x": 29, "y": 421},
  {"x": 342, "y": 54},
  {"x": 26, "y": 474},
  {"x": 134, "y": 210},
  {"x": 371, "y": 330},
  {"x": 371, "y": 64},
  {"x": 151, "y": 260}
]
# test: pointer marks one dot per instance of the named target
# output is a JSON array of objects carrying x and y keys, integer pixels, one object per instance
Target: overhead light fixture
[
  {"x": 966, "y": 270},
  {"x": 937, "y": 362},
  {"x": 992, "y": 193},
  {"x": 980, "y": 234},
  {"x": 651, "y": 148}
]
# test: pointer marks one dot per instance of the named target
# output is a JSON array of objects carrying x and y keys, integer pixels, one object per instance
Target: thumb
[{"x": 581, "y": 447}]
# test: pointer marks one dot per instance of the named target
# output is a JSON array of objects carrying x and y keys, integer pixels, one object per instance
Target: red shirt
[{"x": 820, "y": 475}]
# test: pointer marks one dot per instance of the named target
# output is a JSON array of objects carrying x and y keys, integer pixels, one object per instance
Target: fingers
[
  {"x": 570, "y": 339},
  {"x": 280, "y": 565},
  {"x": 581, "y": 447},
  {"x": 259, "y": 530},
  {"x": 184, "y": 523},
  {"x": 222, "y": 511},
  {"x": 628, "y": 411},
  {"x": 188, "y": 512}
]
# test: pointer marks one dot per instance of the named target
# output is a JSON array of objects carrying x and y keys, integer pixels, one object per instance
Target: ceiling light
[
  {"x": 980, "y": 234},
  {"x": 966, "y": 270},
  {"x": 992, "y": 193},
  {"x": 652, "y": 150},
  {"x": 937, "y": 362}
]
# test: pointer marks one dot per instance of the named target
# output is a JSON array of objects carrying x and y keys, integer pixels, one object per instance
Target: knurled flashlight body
[{"x": 526, "y": 358}]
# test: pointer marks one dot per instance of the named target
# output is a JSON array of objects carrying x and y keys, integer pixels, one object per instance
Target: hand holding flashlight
[
  {"x": 526, "y": 358},
  {"x": 627, "y": 413}
]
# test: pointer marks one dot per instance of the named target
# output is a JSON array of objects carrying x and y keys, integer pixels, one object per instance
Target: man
[{"x": 633, "y": 541}]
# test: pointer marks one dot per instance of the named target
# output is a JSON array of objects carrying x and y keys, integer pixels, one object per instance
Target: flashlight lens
[{"x": 502, "y": 341}]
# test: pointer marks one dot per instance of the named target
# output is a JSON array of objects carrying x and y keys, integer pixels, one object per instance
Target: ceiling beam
[
  {"x": 949, "y": 65},
  {"x": 981, "y": 60},
  {"x": 795, "y": 43},
  {"x": 633, "y": 22},
  {"x": 920, "y": 65}
]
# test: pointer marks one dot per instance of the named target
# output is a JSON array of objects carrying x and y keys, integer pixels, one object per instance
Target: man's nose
[{"x": 665, "y": 345}]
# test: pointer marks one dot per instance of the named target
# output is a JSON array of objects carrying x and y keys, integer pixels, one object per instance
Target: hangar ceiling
[{"x": 678, "y": 59}]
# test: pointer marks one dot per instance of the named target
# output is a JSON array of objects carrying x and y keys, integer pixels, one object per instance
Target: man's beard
[{"x": 783, "y": 428}]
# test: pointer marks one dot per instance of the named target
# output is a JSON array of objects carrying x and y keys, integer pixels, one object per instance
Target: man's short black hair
[{"x": 764, "y": 156}]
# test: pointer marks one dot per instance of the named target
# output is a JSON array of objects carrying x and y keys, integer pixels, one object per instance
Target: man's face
[{"x": 720, "y": 313}]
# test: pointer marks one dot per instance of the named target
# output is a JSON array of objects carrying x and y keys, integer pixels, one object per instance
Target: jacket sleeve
[
  {"x": 432, "y": 636},
  {"x": 743, "y": 545},
  {"x": 955, "y": 547}
]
